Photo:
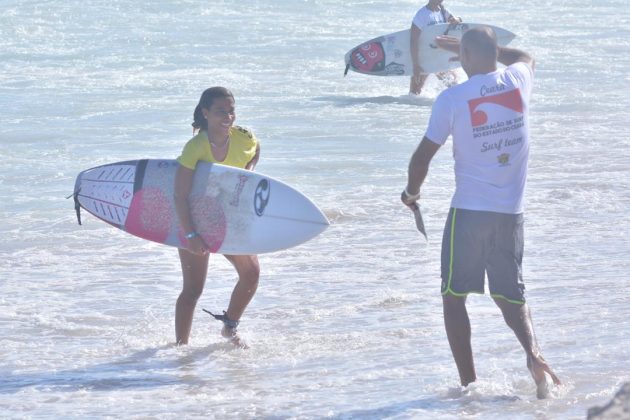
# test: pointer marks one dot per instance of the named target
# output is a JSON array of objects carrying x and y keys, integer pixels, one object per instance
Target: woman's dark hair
[{"x": 207, "y": 98}]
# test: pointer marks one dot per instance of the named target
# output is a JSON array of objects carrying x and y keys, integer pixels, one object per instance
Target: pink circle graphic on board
[
  {"x": 209, "y": 218},
  {"x": 150, "y": 215}
]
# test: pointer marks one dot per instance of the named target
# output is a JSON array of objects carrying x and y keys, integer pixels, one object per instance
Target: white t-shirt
[
  {"x": 488, "y": 118},
  {"x": 427, "y": 17}
]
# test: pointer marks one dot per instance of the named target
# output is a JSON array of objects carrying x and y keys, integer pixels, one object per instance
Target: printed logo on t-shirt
[
  {"x": 504, "y": 159},
  {"x": 511, "y": 100},
  {"x": 498, "y": 122}
]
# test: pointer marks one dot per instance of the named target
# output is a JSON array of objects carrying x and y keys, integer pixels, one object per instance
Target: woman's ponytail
[{"x": 199, "y": 121}]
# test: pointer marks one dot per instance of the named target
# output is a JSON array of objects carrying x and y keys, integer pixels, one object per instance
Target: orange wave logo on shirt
[{"x": 511, "y": 99}]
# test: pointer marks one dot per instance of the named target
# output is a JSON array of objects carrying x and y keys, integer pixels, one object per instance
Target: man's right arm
[
  {"x": 506, "y": 56},
  {"x": 509, "y": 56}
]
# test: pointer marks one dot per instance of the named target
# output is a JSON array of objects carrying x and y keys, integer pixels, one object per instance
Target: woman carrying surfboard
[
  {"x": 431, "y": 14},
  {"x": 217, "y": 140}
]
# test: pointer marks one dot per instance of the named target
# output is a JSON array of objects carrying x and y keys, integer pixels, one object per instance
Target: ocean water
[{"x": 348, "y": 325}]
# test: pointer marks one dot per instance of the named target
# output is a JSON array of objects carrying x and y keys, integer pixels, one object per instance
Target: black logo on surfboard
[{"x": 261, "y": 196}]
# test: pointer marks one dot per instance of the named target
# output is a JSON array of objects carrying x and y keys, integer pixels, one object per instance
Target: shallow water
[{"x": 348, "y": 325}]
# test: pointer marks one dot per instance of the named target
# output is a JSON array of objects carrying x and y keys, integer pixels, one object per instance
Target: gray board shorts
[{"x": 480, "y": 243}]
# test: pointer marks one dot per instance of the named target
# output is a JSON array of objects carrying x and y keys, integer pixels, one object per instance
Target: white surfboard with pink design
[{"x": 237, "y": 212}]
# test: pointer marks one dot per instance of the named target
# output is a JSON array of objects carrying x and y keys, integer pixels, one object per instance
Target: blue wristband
[{"x": 191, "y": 235}]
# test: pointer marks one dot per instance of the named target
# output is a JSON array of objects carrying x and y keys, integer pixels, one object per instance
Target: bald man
[{"x": 487, "y": 117}]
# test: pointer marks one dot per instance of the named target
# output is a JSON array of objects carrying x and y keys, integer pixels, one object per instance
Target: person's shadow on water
[
  {"x": 138, "y": 370},
  {"x": 427, "y": 406}
]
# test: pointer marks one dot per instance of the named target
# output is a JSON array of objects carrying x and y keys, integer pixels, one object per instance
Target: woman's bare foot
[{"x": 233, "y": 337}]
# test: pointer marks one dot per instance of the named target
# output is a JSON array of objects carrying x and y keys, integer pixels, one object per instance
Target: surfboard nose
[{"x": 290, "y": 219}]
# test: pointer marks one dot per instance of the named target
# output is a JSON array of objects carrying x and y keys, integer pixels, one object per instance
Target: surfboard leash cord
[{"x": 230, "y": 323}]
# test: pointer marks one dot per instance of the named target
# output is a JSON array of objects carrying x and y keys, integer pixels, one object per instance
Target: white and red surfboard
[
  {"x": 237, "y": 212},
  {"x": 389, "y": 55}
]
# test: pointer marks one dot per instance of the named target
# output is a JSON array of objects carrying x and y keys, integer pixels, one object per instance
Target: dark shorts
[{"x": 480, "y": 243}]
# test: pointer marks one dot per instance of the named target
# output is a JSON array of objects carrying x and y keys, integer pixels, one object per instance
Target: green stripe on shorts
[{"x": 448, "y": 289}]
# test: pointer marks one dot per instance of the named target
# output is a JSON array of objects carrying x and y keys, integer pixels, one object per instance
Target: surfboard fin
[
  {"x": 346, "y": 71},
  {"x": 77, "y": 206},
  {"x": 419, "y": 222}
]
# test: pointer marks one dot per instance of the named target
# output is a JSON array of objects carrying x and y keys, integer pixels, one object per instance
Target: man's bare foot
[
  {"x": 232, "y": 336},
  {"x": 542, "y": 387},
  {"x": 539, "y": 369}
]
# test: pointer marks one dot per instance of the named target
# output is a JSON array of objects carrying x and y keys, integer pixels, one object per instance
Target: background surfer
[
  {"x": 484, "y": 230},
  {"x": 428, "y": 15},
  {"x": 217, "y": 141}
]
